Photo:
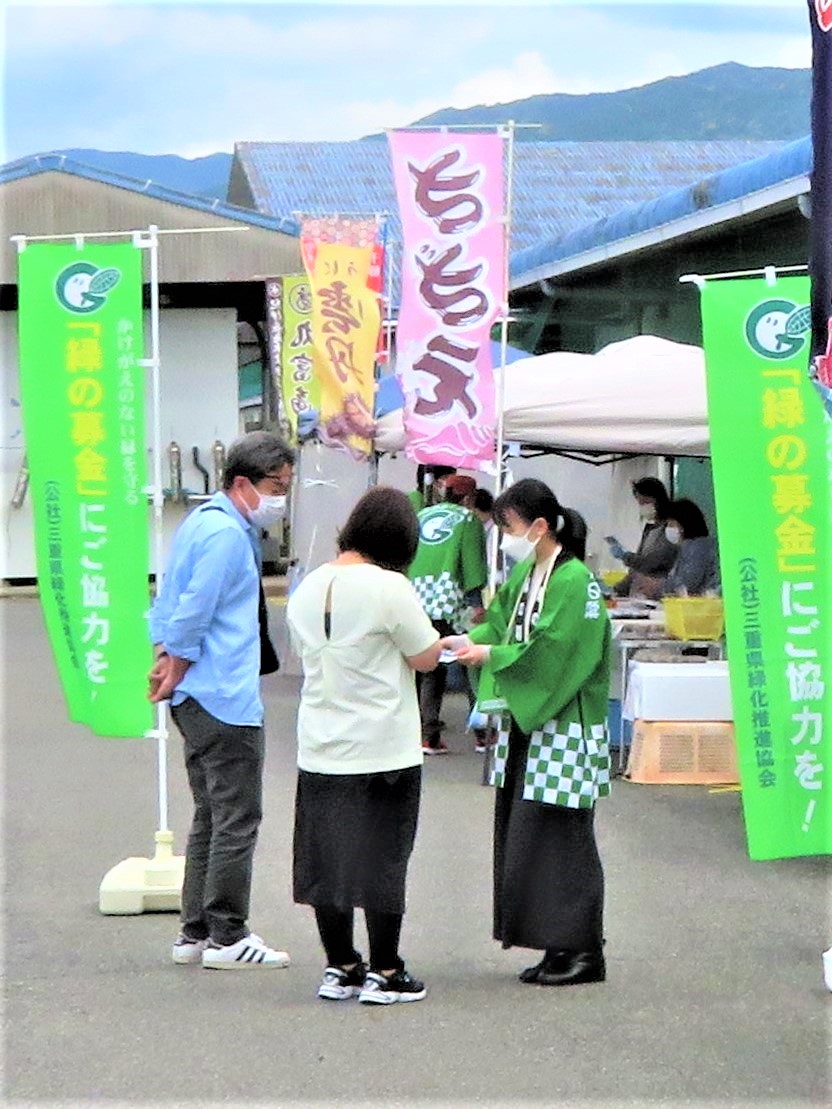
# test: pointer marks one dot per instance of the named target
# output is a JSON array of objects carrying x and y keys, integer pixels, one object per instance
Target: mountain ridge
[
  {"x": 728, "y": 101},
  {"x": 725, "y": 102}
]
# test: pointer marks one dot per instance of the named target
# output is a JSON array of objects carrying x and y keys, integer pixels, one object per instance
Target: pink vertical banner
[{"x": 451, "y": 192}]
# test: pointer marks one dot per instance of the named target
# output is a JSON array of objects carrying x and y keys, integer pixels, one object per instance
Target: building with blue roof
[
  {"x": 50, "y": 194},
  {"x": 601, "y": 232},
  {"x": 558, "y": 187},
  {"x": 741, "y": 191},
  {"x": 212, "y": 300},
  {"x": 619, "y": 275}
]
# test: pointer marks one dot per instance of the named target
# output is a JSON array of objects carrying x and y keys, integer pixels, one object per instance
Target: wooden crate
[{"x": 674, "y": 752}]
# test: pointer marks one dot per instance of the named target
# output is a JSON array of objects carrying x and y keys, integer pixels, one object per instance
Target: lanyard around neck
[{"x": 517, "y": 625}]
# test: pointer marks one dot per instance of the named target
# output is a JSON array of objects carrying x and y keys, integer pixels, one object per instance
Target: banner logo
[
  {"x": 439, "y": 525},
  {"x": 778, "y": 329},
  {"x": 823, "y": 10},
  {"x": 299, "y": 298},
  {"x": 82, "y": 287}
]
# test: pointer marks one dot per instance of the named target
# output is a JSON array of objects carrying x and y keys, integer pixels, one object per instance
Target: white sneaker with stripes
[
  {"x": 186, "y": 950},
  {"x": 249, "y": 953}
]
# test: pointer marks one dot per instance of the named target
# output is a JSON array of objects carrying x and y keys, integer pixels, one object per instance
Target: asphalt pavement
[{"x": 714, "y": 992}]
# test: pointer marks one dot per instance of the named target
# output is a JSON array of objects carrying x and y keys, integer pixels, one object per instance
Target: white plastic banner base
[{"x": 139, "y": 885}]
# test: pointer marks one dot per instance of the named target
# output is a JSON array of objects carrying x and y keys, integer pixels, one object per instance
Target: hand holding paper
[{"x": 464, "y": 651}]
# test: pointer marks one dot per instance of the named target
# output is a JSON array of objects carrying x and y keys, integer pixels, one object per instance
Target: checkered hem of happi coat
[
  {"x": 440, "y": 597},
  {"x": 571, "y": 769}
]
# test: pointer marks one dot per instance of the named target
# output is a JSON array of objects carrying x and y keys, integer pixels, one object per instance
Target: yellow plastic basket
[
  {"x": 694, "y": 617},
  {"x": 611, "y": 578}
]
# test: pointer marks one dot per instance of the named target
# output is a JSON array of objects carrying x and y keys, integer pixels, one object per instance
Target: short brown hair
[
  {"x": 255, "y": 455},
  {"x": 458, "y": 487},
  {"x": 383, "y": 529}
]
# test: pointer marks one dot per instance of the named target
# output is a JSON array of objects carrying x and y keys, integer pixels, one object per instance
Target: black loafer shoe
[
  {"x": 585, "y": 967},
  {"x": 529, "y": 975},
  {"x": 553, "y": 962}
]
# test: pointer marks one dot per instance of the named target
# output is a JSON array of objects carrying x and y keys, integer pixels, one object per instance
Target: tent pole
[{"x": 508, "y": 135}]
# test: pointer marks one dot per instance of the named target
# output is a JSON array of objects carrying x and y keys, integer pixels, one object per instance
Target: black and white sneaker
[
  {"x": 380, "y": 989},
  {"x": 340, "y": 985},
  {"x": 249, "y": 953}
]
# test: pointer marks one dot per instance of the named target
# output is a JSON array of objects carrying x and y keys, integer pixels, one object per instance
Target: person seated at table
[
  {"x": 696, "y": 569},
  {"x": 655, "y": 556}
]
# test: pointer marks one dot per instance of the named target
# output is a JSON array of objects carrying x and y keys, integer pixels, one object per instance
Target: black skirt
[
  {"x": 354, "y": 835},
  {"x": 548, "y": 879}
]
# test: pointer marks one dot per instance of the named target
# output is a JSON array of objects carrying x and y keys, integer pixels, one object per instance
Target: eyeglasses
[{"x": 280, "y": 483}]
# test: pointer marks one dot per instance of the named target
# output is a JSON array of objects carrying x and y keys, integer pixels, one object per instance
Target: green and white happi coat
[
  {"x": 568, "y": 761},
  {"x": 571, "y": 770},
  {"x": 449, "y": 562}
]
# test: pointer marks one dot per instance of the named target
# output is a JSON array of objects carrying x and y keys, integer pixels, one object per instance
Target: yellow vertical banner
[
  {"x": 289, "y": 320},
  {"x": 345, "y": 326}
]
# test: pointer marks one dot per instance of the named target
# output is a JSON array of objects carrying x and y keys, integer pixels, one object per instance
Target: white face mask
[
  {"x": 518, "y": 547},
  {"x": 673, "y": 535},
  {"x": 269, "y": 510}
]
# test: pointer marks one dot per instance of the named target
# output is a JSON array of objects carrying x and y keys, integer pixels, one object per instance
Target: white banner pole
[{"x": 158, "y": 503}]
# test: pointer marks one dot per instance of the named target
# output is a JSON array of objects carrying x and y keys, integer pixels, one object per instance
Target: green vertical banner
[
  {"x": 289, "y": 311},
  {"x": 82, "y": 397},
  {"x": 770, "y": 441}
]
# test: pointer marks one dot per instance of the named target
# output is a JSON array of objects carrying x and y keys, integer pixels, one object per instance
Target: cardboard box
[
  {"x": 678, "y": 691},
  {"x": 675, "y": 752}
]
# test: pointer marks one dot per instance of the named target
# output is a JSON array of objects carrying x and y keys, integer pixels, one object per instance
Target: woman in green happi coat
[{"x": 545, "y": 649}]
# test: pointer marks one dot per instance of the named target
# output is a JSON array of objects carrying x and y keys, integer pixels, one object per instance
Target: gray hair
[{"x": 255, "y": 455}]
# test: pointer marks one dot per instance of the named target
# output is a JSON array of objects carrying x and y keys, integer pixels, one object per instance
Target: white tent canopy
[{"x": 640, "y": 396}]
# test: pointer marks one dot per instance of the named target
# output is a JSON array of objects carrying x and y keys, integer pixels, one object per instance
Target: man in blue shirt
[{"x": 207, "y": 627}]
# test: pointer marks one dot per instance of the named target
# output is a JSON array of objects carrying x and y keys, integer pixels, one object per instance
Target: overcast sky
[{"x": 193, "y": 78}]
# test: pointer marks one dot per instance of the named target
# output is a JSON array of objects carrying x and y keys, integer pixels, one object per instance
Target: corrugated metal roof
[
  {"x": 558, "y": 187},
  {"x": 59, "y": 163},
  {"x": 787, "y": 163}
]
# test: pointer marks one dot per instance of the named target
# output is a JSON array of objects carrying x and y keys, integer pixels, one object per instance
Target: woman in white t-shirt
[{"x": 361, "y": 632}]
